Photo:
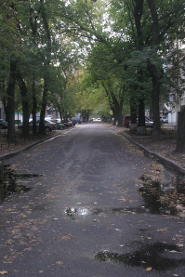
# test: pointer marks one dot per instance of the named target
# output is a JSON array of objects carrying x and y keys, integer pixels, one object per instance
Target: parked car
[
  {"x": 148, "y": 122},
  {"x": 67, "y": 123},
  {"x": 58, "y": 124},
  {"x": 3, "y": 124},
  {"x": 49, "y": 126},
  {"x": 98, "y": 119}
]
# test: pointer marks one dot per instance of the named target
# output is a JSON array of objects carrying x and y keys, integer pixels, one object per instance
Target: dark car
[
  {"x": 67, "y": 123},
  {"x": 3, "y": 124}
]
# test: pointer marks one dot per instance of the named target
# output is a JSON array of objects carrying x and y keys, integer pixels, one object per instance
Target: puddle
[
  {"x": 157, "y": 256},
  {"x": 163, "y": 192},
  {"x": 12, "y": 181},
  {"x": 126, "y": 210},
  {"x": 75, "y": 212},
  {"x": 72, "y": 212}
]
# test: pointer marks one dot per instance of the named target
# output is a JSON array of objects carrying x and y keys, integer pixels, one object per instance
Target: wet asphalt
[{"x": 84, "y": 216}]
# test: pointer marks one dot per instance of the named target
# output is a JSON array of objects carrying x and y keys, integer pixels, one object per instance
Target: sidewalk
[{"x": 163, "y": 147}]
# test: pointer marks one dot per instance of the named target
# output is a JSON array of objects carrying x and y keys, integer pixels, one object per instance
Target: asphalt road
[{"x": 84, "y": 216}]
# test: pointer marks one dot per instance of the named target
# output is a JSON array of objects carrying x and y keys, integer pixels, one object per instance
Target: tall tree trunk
[
  {"x": 47, "y": 61},
  {"x": 180, "y": 143},
  {"x": 43, "y": 107},
  {"x": 11, "y": 101},
  {"x": 155, "y": 71},
  {"x": 34, "y": 107},
  {"x": 114, "y": 116},
  {"x": 141, "y": 129},
  {"x": 133, "y": 115},
  {"x": 25, "y": 104},
  {"x": 133, "y": 110},
  {"x": 138, "y": 12},
  {"x": 141, "y": 112},
  {"x": 156, "y": 85},
  {"x": 120, "y": 116},
  {"x": 3, "y": 97}
]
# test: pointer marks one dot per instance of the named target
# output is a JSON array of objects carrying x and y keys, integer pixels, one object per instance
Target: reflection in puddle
[
  {"x": 148, "y": 256},
  {"x": 73, "y": 212}
]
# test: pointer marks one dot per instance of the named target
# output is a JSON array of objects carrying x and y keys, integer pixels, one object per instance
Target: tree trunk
[
  {"x": 180, "y": 143},
  {"x": 141, "y": 129},
  {"x": 133, "y": 111},
  {"x": 133, "y": 115},
  {"x": 34, "y": 107},
  {"x": 48, "y": 40},
  {"x": 43, "y": 107},
  {"x": 120, "y": 117},
  {"x": 25, "y": 104},
  {"x": 11, "y": 101},
  {"x": 156, "y": 72},
  {"x": 156, "y": 85},
  {"x": 141, "y": 112}
]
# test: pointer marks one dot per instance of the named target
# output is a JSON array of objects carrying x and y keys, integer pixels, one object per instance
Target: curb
[
  {"x": 165, "y": 161},
  {"x": 12, "y": 154}
]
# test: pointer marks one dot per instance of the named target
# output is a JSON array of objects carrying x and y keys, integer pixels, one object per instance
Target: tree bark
[
  {"x": 133, "y": 115},
  {"x": 138, "y": 12},
  {"x": 120, "y": 116},
  {"x": 133, "y": 111},
  {"x": 141, "y": 129},
  {"x": 180, "y": 143},
  {"x": 156, "y": 85},
  {"x": 43, "y": 107},
  {"x": 46, "y": 65},
  {"x": 25, "y": 104},
  {"x": 11, "y": 101},
  {"x": 141, "y": 112},
  {"x": 34, "y": 107},
  {"x": 155, "y": 71}
]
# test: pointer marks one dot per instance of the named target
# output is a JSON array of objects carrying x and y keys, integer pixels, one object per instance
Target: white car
[{"x": 97, "y": 119}]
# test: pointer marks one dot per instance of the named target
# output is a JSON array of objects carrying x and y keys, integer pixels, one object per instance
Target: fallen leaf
[{"x": 67, "y": 237}]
